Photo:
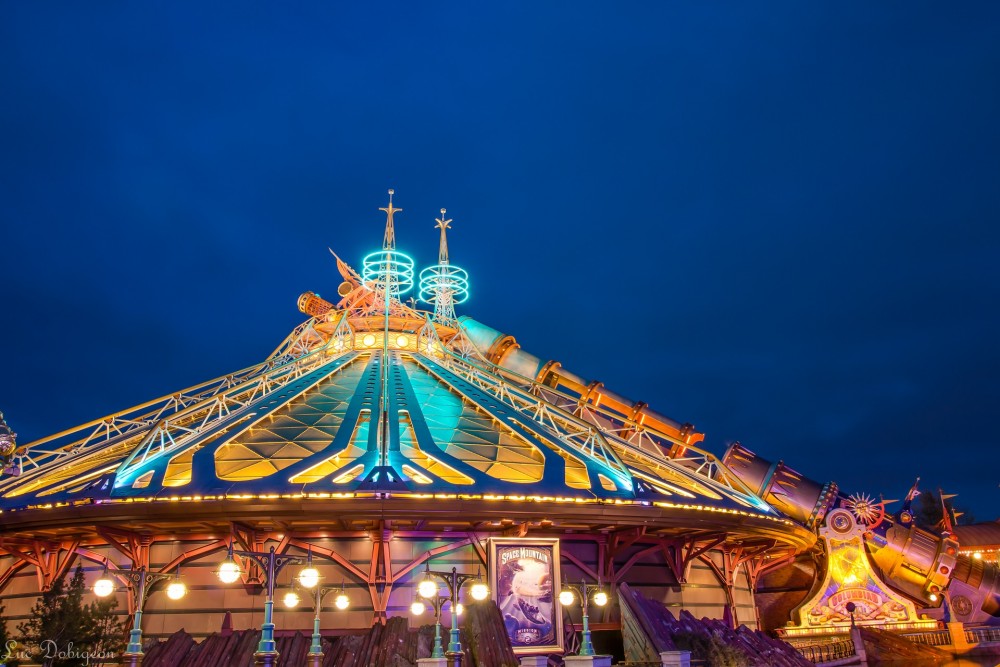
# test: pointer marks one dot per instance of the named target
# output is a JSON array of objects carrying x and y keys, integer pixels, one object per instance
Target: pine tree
[
  {"x": 61, "y": 622},
  {"x": 7, "y": 645},
  {"x": 44, "y": 621},
  {"x": 107, "y": 631}
]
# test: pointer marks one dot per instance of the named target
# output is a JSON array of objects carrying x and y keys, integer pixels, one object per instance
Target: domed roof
[{"x": 370, "y": 396}]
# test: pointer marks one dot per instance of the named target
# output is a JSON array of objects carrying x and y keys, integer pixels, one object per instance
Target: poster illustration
[{"x": 525, "y": 582}]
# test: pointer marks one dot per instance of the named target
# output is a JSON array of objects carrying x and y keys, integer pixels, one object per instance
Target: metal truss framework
[
  {"x": 617, "y": 552},
  {"x": 452, "y": 424},
  {"x": 621, "y": 460}
]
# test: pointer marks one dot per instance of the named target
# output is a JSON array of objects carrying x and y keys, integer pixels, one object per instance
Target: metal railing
[
  {"x": 981, "y": 635},
  {"x": 828, "y": 651},
  {"x": 932, "y": 638}
]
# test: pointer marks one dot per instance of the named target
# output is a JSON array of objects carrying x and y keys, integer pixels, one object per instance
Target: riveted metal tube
[
  {"x": 311, "y": 304},
  {"x": 504, "y": 351}
]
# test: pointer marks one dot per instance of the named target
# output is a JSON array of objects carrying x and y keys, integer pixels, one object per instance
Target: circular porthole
[
  {"x": 369, "y": 340},
  {"x": 841, "y": 521},
  {"x": 402, "y": 341}
]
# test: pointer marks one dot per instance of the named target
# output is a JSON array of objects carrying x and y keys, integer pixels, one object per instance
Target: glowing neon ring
[
  {"x": 391, "y": 265},
  {"x": 440, "y": 277}
]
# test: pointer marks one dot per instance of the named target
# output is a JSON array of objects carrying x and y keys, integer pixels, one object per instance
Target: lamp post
[
  {"x": 454, "y": 580},
  {"x": 586, "y": 594},
  {"x": 140, "y": 582},
  {"x": 314, "y": 658},
  {"x": 272, "y": 563},
  {"x": 437, "y": 604}
]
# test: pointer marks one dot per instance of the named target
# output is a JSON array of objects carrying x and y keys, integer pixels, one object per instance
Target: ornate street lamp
[
  {"x": 427, "y": 588},
  {"x": 437, "y": 604},
  {"x": 315, "y": 656},
  {"x": 586, "y": 594},
  {"x": 140, "y": 582},
  {"x": 272, "y": 564}
]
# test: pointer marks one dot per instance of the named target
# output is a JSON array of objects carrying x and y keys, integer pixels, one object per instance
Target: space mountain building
[{"x": 379, "y": 439}]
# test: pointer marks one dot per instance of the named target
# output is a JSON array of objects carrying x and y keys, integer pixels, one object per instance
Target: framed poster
[{"x": 524, "y": 578}]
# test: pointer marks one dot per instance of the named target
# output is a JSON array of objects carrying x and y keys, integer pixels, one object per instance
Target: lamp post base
[
  {"x": 454, "y": 658},
  {"x": 587, "y": 660},
  {"x": 432, "y": 662},
  {"x": 265, "y": 659},
  {"x": 130, "y": 659},
  {"x": 314, "y": 659}
]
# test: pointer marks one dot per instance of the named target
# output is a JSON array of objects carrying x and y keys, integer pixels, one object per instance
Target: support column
[
  {"x": 534, "y": 661},
  {"x": 587, "y": 660},
  {"x": 675, "y": 658},
  {"x": 859, "y": 645},
  {"x": 956, "y": 630}
]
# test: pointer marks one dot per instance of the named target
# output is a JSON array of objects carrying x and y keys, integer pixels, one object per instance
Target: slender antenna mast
[
  {"x": 444, "y": 285},
  {"x": 390, "y": 290}
]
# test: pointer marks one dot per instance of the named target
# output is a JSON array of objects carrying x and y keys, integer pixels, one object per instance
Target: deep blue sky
[{"x": 776, "y": 221}]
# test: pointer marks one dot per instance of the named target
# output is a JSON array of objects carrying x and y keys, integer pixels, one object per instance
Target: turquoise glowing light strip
[
  {"x": 444, "y": 277},
  {"x": 395, "y": 265}
]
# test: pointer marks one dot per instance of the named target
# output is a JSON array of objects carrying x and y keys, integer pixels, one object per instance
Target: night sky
[{"x": 776, "y": 221}]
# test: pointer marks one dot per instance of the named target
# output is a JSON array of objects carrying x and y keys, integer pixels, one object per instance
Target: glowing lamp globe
[
  {"x": 309, "y": 577},
  {"x": 427, "y": 588},
  {"x": 342, "y": 602},
  {"x": 229, "y": 571},
  {"x": 291, "y": 599},
  {"x": 933, "y": 597},
  {"x": 176, "y": 590},
  {"x": 104, "y": 587},
  {"x": 417, "y": 608},
  {"x": 600, "y": 598},
  {"x": 566, "y": 598},
  {"x": 479, "y": 591},
  {"x": 459, "y": 609}
]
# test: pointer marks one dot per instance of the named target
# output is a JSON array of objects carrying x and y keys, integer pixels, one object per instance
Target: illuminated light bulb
[
  {"x": 427, "y": 588},
  {"x": 342, "y": 602},
  {"x": 291, "y": 599},
  {"x": 566, "y": 598},
  {"x": 459, "y": 609},
  {"x": 229, "y": 571},
  {"x": 978, "y": 555},
  {"x": 309, "y": 577},
  {"x": 402, "y": 341},
  {"x": 933, "y": 597},
  {"x": 369, "y": 340},
  {"x": 417, "y": 607},
  {"x": 104, "y": 587},
  {"x": 600, "y": 598},
  {"x": 479, "y": 591},
  {"x": 176, "y": 590}
]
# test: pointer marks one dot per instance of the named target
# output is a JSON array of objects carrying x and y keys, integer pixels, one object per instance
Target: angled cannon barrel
[{"x": 913, "y": 561}]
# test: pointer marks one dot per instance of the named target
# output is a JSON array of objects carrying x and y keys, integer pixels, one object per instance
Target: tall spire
[
  {"x": 444, "y": 285},
  {"x": 443, "y": 225},
  {"x": 390, "y": 269},
  {"x": 390, "y": 231}
]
